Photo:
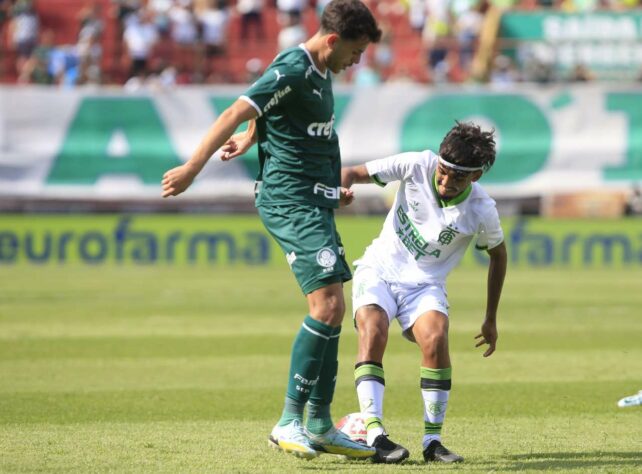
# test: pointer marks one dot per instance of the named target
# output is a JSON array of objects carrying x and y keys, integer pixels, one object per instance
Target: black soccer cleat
[
  {"x": 388, "y": 452},
  {"x": 437, "y": 452}
]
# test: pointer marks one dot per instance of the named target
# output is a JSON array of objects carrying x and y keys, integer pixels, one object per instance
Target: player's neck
[{"x": 318, "y": 49}]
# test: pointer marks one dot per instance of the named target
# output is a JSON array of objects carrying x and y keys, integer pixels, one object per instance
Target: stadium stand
[{"x": 63, "y": 20}]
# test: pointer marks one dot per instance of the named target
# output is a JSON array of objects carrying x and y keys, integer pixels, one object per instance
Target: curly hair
[
  {"x": 466, "y": 144},
  {"x": 351, "y": 20}
]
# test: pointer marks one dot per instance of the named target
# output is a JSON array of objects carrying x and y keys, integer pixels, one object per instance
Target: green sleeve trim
[{"x": 377, "y": 181}]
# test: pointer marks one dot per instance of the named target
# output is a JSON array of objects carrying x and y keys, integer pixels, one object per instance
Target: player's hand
[
  {"x": 346, "y": 197},
  {"x": 177, "y": 180},
  {"x": 488, "y": 335},
  {"x": 238, "y": 144}
]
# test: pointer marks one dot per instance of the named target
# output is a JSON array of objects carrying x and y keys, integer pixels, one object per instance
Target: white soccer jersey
[{"x": 425, "y": 237}]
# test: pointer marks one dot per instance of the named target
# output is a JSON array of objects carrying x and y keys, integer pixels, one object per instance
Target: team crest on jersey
[
  {"x": 326, "y": 257},
  {"x": 447, "y": 235}
]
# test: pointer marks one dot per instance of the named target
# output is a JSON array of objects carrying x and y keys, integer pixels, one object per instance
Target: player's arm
[
  {"x": 178, "y": 179},
  {"x": 496, "y": 274},
  {"x": 240, "y": 142},
  {"x": 354, "y": 175}
]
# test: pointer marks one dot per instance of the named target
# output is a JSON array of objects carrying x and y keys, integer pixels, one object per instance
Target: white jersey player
[{"x": 438, "y": 210}]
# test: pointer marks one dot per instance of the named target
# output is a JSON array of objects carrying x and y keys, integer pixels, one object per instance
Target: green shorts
[{"x": 308, "y": 236}]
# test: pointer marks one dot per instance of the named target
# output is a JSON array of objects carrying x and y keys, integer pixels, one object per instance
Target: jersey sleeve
[
  {"x": 393, "y": 168},
  {"x": 276, "y": 86},
  {"x": 490, "y": 233}
]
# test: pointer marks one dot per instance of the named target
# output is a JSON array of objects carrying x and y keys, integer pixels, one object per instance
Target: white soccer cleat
[
  {"x": 292, "y": 439},
  {"x": 334, "y": 441},
  {"x": 633, "y": 400}
]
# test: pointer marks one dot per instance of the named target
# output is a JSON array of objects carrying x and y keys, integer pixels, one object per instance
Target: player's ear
[
  {"x": 332, "y": 40},
  {"x": 477, "y": 175}
]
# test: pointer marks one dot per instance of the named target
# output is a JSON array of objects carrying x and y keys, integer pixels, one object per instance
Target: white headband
[{"x": 457, "y": 167}]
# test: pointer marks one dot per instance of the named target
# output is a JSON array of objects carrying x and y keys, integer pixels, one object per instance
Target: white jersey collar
[{"x": 314, "y": 66}]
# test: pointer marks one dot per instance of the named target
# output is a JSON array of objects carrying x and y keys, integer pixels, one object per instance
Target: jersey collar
[
  {"x": 461, "y": 197},
  {"x": 323, "y": 75}
]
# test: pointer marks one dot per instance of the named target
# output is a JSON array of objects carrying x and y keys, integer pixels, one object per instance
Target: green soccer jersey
[{"x": 298, "y": 147}]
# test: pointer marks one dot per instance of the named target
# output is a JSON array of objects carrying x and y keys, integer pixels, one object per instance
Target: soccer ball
[{"x": 354, "y": 426}]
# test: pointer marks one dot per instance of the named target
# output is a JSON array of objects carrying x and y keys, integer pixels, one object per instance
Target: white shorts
[{"x": 402, "y": 302}]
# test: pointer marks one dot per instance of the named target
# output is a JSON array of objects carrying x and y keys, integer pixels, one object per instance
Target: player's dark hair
[
  {"x": 351, "y": 20},
  {"x": 466, "y": 144}
]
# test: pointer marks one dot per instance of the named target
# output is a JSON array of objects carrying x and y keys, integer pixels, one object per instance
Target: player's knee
[
  {"x": 432, "y": 344},
  {"x": 372, "y": 324},
  {"x": 329, "y": 311}
]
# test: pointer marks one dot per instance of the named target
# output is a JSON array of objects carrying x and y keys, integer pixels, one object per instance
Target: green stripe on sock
[
  {"x": 368, "y": 369},
  {"x": 432, "y": 428},
  {"x": 436, "y": 374}
]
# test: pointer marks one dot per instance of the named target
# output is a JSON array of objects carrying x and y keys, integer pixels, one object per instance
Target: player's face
[
  {"x": 451, "y": 183},
  {"x": 345, "y": 53}
]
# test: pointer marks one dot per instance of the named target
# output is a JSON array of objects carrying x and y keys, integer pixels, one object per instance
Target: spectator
[
  {"x": 36, "y": 68},
  {"x": 581, "y": 73},
  {"x": 89, "y": 53},
  {"x": 213, "y": 19},
  {"x": 140, "y": 36},
  {"x": 503, "y": 72},
  {"x": 469, "y": 18},
  {"x": 251, "y": 12},
  {"x": 437, "y": 39},
  {"x": 184, "y": 34},
  {"x": 289, "y": 7},
  {"x": 63, "y": 66},
  {"x": 23, "y": 32},
  {"x": 292, "y": 32},
  {"x": 90, "y": 21}
]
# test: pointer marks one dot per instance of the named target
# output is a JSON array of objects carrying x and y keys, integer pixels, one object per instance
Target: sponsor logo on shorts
[
  {"x": 326, "y": 258},
  {"x": 326, "y": 191}
]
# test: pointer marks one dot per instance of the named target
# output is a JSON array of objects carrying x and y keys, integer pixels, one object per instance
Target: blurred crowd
[{"x": 139, "y": 43}]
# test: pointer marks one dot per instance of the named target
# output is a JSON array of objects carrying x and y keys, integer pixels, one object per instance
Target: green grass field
[{"x": 183, "y": 369}]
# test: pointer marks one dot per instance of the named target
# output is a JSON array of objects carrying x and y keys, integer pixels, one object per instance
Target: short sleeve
[
  {"x": 393, "y": 168},
  {"x": 490, "y": 233},
  {"x": 275, "y": 87}
]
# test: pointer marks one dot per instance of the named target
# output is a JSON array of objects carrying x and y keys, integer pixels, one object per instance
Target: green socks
[{"x": 308, "y": 352}]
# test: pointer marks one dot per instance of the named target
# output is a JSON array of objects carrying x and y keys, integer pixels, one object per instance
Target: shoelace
[{"x": 298, "y": 433}]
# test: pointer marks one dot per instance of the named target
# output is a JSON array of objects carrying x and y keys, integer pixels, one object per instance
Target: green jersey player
[
  {"x": 438, "y": 210},
  {"x": 291, "y": 114}
]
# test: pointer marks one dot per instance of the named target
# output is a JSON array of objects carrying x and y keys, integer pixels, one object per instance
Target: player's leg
[
  {"x": 370, "y": 296},
  {"x": 326, "y": 307},
  {"x": 309, "y": 346},
  {"x": 430, "y": 332}
]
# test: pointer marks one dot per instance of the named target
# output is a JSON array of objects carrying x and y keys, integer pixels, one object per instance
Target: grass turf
[{"x": 183, "y": 369}]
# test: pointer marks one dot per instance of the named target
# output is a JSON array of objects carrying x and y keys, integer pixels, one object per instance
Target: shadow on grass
[
  {"x": 560, "y": 461},
  {"x": 566, "y": 461}
]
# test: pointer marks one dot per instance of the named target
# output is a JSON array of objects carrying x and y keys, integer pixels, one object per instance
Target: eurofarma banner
[
  {"x": 242, "y": 241},
  {"x": 109, "y": 144}
]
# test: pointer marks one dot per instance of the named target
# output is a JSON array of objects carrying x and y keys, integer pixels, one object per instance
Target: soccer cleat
[
  {"x": 631, "y": 401},
  {"x": 437, "y": 452},
  {"x": 334, "y": 441},
  {"x": 388, "y": 452},
  {"x": 292, "y": 439}
]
